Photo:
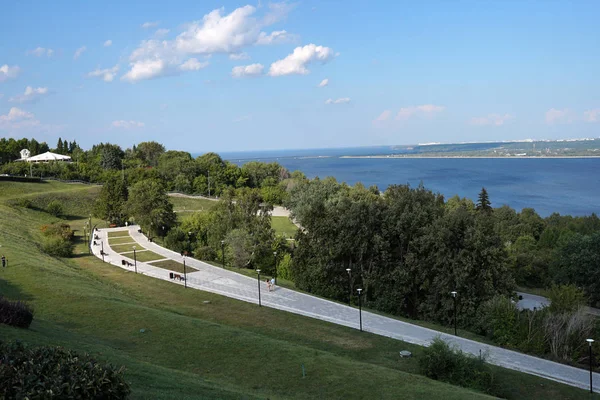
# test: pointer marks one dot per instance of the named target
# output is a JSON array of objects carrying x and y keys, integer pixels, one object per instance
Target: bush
[
  {"x": 451, "y": 365},
  {"x": 53, "y": 372},
  {"x": 15, "y": 313},
  {"x": 500, "y": 320},
  {"x": 23, "y": 203},
  {"x": 284, "y": 267},
  {"x": 62, "y": 230},
  {"x": 55, "y": 208},
  {"x": 565, "y": 298},
  {"x": 205, "y": 253},
  {"x": 57, "y": 246}
]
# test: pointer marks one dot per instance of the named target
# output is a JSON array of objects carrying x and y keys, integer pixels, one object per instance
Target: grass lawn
[
  {"x": 173, "y": 266},
  {"x": 120, "y": 240},
  {"x": 145, "y": 256},
  {"x": 187, "y": 204},
  {"x": 283, "y": 226},
  {"x": 240, "y": 351},
  {"x": 122, "y": 248},
  {"x": 118, "y": 234}
]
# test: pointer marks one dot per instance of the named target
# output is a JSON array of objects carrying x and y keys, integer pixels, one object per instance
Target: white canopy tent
[{"x": 47, "y": 157}]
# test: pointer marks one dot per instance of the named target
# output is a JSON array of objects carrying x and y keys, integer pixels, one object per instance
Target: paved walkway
[{"x": 237, "y": 286}]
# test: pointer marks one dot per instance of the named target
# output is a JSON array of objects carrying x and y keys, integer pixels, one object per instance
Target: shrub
[
  {"x": 57, "y": 246},
  {"x": 284, "y": 267},
  {"x": 55, "y": 208},
  {"x": 23, "y": 203},
  {"x": 53, "y": 372},
  {"x": 442, "y": 362},
  {"x": 500, "y": 320},
  {"x": 15, "y": 313},
  {"x": 62, "y": 230},
  {"x": 205, "y": 253},
  {"x": 565, "y": 298}
]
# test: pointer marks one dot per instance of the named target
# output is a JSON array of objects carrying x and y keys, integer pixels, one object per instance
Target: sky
[{"x": 233, "y": 76}]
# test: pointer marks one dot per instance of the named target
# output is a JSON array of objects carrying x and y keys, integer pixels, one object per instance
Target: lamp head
[
  {"x": 348, "y": 270},
  {"x": 453, "y": 293},
  {"x": 590, "y": 341},
  {"x": 359, "y": 290},
  {"x": 258, "y": 270}
]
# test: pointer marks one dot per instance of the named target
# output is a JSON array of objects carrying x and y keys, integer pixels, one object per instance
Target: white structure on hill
[{"x": 43, "y": 158}]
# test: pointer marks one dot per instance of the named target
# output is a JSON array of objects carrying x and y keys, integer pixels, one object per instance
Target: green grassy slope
[
  {"x": 226, "y": 349},
  {"x": 283, "y": 226}
]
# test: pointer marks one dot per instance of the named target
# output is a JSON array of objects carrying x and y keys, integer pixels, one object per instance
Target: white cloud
[
  {"x": 7, "y": 72},
  {"x": 592, "y": 115},
  {"x": 275, "y": 37},
  {"x": 193, "y": 65},
  {"x": 16, "y": 119},
  {"x": 107, "y": 74},
  {"x": 296, "y": 62},
  {"x": 148, "y": 25},
  {"x": 108, "y": 43},
  {"x": 247, "y": 70},
  {"x": 324, "y": 82},
  {"x": 79, "y": 52},
  {"x": 239, "y": 56},
  {"x": 491, "y": 119},
  {"x": 423, "y": 110},
  {"x": 554, "y": 116},
  {"x": 341, "y": 100},
  {"x": 384, "y": 116},
  {"x": 215, "y": 33},
  {"x": 31, "y": 94},
  {"x": 161, "y": 32},
  {"x": 127, "y": 124},
  {"x": 40, "y": 51}
]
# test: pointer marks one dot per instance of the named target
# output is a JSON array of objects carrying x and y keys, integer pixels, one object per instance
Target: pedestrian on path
[
  {"x": 272, "y": 283},
  {"x": 268, "y": 285},
  {"x": 4, "y": 262}
]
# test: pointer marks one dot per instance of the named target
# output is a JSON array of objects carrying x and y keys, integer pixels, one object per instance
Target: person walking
[{"x": 4, "y": 262}]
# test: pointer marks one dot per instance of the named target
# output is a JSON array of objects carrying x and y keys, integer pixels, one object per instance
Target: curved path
[{"x": 227, "y": 283}]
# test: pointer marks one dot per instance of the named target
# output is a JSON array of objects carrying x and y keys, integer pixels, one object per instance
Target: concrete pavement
[{"x": 227, "y": 283}]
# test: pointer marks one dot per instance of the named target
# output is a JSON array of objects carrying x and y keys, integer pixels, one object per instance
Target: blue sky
[{"x": 230, "y": 76}]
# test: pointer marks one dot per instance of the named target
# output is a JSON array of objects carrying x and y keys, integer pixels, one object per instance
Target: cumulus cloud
[
  {"x": 324, "y": 82},
  {"x": 193, "y": 65},
  {"x": 108, "y": 43},
  {"x": 247, "y": 70},
  {"x": 127, "y": 124},
  {"x": 592, "y": 115},
  {"x": 40, "y": 52},
  {"x": 79, "y": 52},
  {"x": 296, "y": 62},
  {"x": 491, "y": 119},
  {"x": 384, "y": 116},
  {"x": 161, "y": 32},
  {"x": 217, "y": 32},
  {"x": 423, "y": 110},
  {"x": 239, "y": 56},
  {"x": 148, "y": 25},
  {"x": 31, "y": 94},
  {"x": 341, "y": 100},
  {"x": 7, "y": 72},
  {"x": 554, "y": 116},
  {"x": 107, "y": 74},
  {"x": 16, "y": 119}
]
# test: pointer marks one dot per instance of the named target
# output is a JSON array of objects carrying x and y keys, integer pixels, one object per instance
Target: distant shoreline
[{"x": 491, "y": 157}]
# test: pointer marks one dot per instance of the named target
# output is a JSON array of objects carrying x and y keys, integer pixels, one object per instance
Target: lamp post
[
  {"x": 590, "y": 341},
  {"x": 349, "y": 271},
  {"x": 359, "y": 308},
  {"x": 150, "y": 233},
  {"x": 102, "y": 250},
  {"x": 258, "y": 279},
  {"x": 184, "y": 274},
  {"x": 275, "y": 273},
  {"x": 135, "y": 259},
  {"x": 223, "y": 253},
  {"x": 453, "y": 293}
]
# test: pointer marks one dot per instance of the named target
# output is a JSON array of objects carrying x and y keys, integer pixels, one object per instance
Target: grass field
[
  {"x": 173, "y": 266},
  {"x": 283, "y": 226},
  {"x": 237, "y": 351},
  {"x": 181, "y": 204},
  {"x": 120, "y": 240},
  {"x": 122, "y": 248},
  {"x": 144, "y": 255},
  {"x": 115, "y": 234}
]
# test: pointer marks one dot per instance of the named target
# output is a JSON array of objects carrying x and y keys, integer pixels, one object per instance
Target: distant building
[{"x": 43, "y": 158}]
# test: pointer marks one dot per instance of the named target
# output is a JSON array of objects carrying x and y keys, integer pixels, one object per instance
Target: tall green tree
[
  {"x": 483, "y": 202},
  {"x": 110, "y": 205},
  {"x": 149, "y": 204}
]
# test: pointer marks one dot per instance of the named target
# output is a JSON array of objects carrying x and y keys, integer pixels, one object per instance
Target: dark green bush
[
  {"x": 57, "y": 246},
  {"x": 56, "y": 373},
  {"x": 55, "y": 208},
  {"x": 205, "y": 253},
  {"x": 15, "y": 313},
  {"x": 23, "y": 203},
  {"x": 442, "y": 362}
]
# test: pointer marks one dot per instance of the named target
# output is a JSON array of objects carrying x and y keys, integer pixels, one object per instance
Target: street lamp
[
  {"x": 258, "y": 272},
  {"x": 590, "y": 341},
  {"x": 453, "y": 293},
  {"x": 184, "y": 273},
  {"x": 359, "y": 308},
  {"x": 135, "y": 259},
  {"x": 349, "y": 271},
  {"x": 223, "y": 253},
  {"x": 102, "y": 250},
  {"x": 275, "y": 273}
]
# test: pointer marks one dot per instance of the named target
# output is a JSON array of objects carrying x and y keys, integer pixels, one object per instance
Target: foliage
[
  {"x": 149, "y": 204},
  {"x": 55, "y": 208},
  {"x": 483, "y": 202},
  {"x": 61, "y": 230},
  {"x": 23, "y": 202},
  {"x": 565, "y": 298},
  {"x": 57, "y": 246},
  {"x": 284, "y": 267},
  {"x": 442, "y": 362},
  {"x": 566, "y": 333},
  {"x": 500, "y": 320},
  {"x": 149, "y": 152},
  {"x": 54, "y": 372},
  {"x": 239, "y": 248},
  {"x": 206, "y": 253},
  {"x": 110, "y": 205},
  {"x": 15, "y": 313}
]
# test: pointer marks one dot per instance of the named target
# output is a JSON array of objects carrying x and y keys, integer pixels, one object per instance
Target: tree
[
  {"x": 59, "y": 146},
  {"x": 483, "y": 202},
  {"x": 239, "y": 247},
  {"x": 149, "y": 152},
  {"x": 149, "y": 204},
  {"x": 110, "y": 205}
]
